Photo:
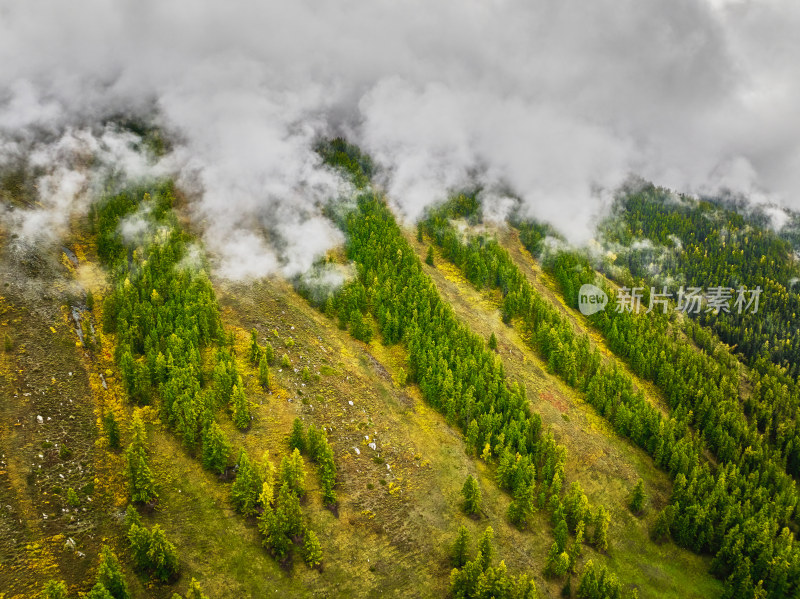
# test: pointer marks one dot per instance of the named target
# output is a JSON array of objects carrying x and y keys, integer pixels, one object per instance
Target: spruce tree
[
  {"x": 312, "y": 550},
  {"x": 293, "y": 472},
  {"x": 54, "y": 589},
  {"x": 602, "y": 520},
  {"x": 493, "y": 342},
  {"x": 162, "y": 555},
  {"x": 142, "y": 482},
  {"x": 215, "y": 448},
  {"x": 638, "y": 497},
  {"x": 111, "y": 429},
  {"x": 297, "y": 439},
  {"x": 194, "y": 591},
  {"x": 429, "y": 256},
  {"x": 263, "y": 373},
  {"x": 472, "y": 495},
  {"x": 460, "y": 547},
  {"x": 110, "y": 575},
  {"x": 486, "y": 548},
  {"x": 99, "y": 591},
  {"x": 247, "y": 486},
  {"x": 241, "y": 409}
]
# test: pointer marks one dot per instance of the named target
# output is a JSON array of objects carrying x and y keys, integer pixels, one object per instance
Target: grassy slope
[
  {"x": 606, "y": 465},
  {"x": 390, "y": 538}
]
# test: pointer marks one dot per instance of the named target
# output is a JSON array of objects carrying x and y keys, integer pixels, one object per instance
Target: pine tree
[
  {"x": 247, "y": 486},
  {"x": 638, "y": 498},
  {"x": 297, "y": 439},
  {"x": 589, "y": 588},
  {"x": 99, "y": 591},
  {"x": 486, "y": 548},
  {"x": 429, "y": 256},
  {"x": 289, "y": 506},
  {"x": 561, "y": 535},
  {"x": 293, "y": 472},
  {"x": 472, "y": 436},
  {"x": 601, "y": 522},
  {"x": 139, "y": 538},
  {"x": 110, "y": 575},
  {"x": 142, "y": 482},
  {"x": 315, "y": 442},
  {"x": 493, "y": 342},
  {"x": 254, "y": 352},
  {"x": 111, "y": 429},
  {"x": 215, "y": 448},
  {"x": 269, "y": 353},
  {"x": 132, "y": 516},
  {"x": 263, "y": 373},
  {"x": 162, "y": 555},
  {"x": 194, "y": 591},
  {"x": 241, "y": 409},
  {"x": 472, "y": 495},
  {"x": 285, "y": 362},
  {"x": 54, "y": 589},
  {"x": 460, "y": 547},
  {"x": 312, "y": 550}
]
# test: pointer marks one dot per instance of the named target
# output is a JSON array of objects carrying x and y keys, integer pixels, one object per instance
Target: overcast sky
[{"x": 559, "y": 101}]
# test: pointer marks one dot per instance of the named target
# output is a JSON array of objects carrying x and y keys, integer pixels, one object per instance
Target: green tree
[
  {"x": 285, "y": 362},
  {"x": 601, "y": 522},
  {"x": 110, "y": 575},
  {"x": 486, "y": 548},
  {"x": 139, "y": 538},
  {"x": 429, "y": 256},
  {"x": 162, "y": 555},
  {"x": 99, "y": 591},
  {"x": 241, "y": 409},
  {"x": 111, "y": 429},
  {"x": 312, "y": 550},
  {"x": 269, "y": 352},
  {"x": 254, "y": 352},
  {"x": 194, "y": 591},
  {"x": 215, "y": 448},
  {"x": 263, "y": 373},
  {"x": 132, "y": 516},
  {"x": 247, "y": 486},
  {"x": 142, "y": 482},
  {"x": 54, "y": 589},
  {"x": 493, "y": 342},
  {"x": 297, "y": 439},
  {"x": 557, "y": 562},
  {"x": 460, "y": 547},
  {"x": 638, "y": 497},
  {"x": 293, "y": 472},
  {"x": 72, "y": 497},
  {"x": 472, "y": 495}
]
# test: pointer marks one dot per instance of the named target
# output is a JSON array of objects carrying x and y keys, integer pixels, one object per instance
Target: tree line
[{"x": 747, "y": 503}]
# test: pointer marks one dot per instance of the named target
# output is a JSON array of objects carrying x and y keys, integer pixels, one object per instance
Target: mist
[{"x": 557, "y": 102}]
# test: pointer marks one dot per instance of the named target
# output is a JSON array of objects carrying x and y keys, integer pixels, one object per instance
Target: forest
[{"x": 740, "y": 508}]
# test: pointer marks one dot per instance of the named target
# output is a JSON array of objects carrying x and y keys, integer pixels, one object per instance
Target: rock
[
  {"x": 357, "y": 450},
  {"x": 350, "y": 402},
  {"x": 70, "y": 544},
  {"x": 373, "y": 446},
  {"x": 40, "y": 420}
]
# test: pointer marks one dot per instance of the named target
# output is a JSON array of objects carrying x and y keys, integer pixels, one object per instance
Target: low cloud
[{"x": 558, "y": 102}]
